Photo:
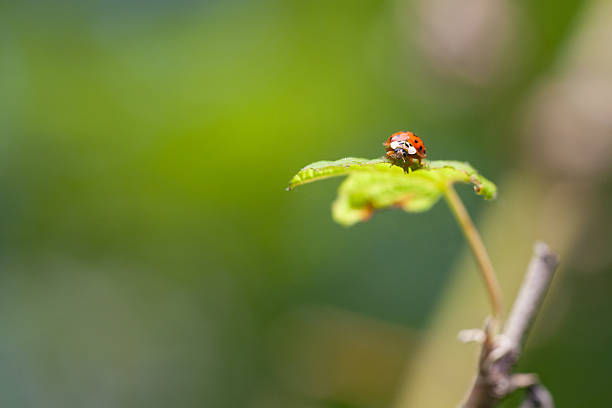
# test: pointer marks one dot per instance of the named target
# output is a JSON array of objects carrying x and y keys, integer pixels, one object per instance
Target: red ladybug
[{"x": 404, "y": 149}]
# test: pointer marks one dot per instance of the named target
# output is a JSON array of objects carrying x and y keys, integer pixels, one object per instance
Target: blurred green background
[{"x": 150, "y": 257}]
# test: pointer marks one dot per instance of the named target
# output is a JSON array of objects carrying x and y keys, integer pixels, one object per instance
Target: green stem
[{"x": 478, "y": 249}]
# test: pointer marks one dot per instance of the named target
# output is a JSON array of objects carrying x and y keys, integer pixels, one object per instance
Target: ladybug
[{"x": 404, "y": 149}]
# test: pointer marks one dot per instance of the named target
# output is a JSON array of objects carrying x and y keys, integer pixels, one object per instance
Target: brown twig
[{"x": 495, "y": 379}]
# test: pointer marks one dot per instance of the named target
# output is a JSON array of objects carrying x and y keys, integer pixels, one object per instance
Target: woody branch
[{"x": 495, "y": 379}]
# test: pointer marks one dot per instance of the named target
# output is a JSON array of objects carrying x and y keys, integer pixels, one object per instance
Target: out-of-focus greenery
[{"x": 150, "y": 256}]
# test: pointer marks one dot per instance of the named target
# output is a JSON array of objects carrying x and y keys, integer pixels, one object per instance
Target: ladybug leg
[
  {"x": 407, "y": 166},
  {"x": 390, "y": 157}
]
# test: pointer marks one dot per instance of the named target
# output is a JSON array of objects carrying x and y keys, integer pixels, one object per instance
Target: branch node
[
  {"x": 471, "y": 336},
  {"x": 500, "y": 353}
]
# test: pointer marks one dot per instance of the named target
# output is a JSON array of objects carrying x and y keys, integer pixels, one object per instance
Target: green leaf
[
  {"x": 375, "y": 184},
  {"x": 325, "y": 169}
]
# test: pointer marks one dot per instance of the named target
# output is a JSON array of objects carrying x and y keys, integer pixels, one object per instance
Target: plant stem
[{"x": 479, "y": 251}]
